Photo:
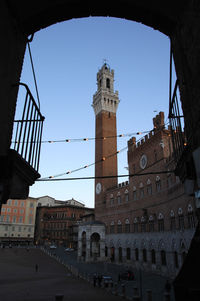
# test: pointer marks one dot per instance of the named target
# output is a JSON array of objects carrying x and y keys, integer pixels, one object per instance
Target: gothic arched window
[
  {"x": 149, "y": 187},
  {"x": 191, "y": 217},
  {"x": 126, "y": 195},
  {"x": 158, "y": 184},
  {"x": 112, "y": 228},
  {"x": 160, "y": 222},
  {"x": 119, "y": 227},
  {"x": 181, "y": 222},
  {"x": 127, "y": 226},
  {"x": 151, "y": 223}
]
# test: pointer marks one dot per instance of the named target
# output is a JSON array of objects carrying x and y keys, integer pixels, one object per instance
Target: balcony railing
[{"x": 27, "y": 131}]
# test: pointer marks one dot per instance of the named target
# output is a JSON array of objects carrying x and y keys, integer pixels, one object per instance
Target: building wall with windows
[
  {"x": 17, "y": 221},
  {"x": 149, "y": 219},
  {"x": 56, "y": 224}
]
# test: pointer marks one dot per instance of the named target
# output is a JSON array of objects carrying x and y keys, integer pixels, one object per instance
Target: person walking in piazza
[{"x": 36, "y": 267}]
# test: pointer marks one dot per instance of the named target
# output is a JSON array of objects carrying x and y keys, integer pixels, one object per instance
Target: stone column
[
  {"x": 79, "y": 249},
  {"x": 124, "y": 255},
  {"x": 109, "y": 253},
  {"x": 158, "y": 259},
  {"x": 116, "y": 254},
  {"x": 102, "y": 250},
  {"x": 88, "y": 257}
]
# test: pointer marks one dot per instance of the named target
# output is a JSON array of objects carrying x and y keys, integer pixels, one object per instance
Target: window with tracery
[
  {"x": 161, "y": 225},
  {"x": 112, "y": 229},
  {"x": 151, "y": 224},
  {"x": 127, "y": 226},
  {"x": 191, "y": 217},
  {"x": 119, "y": 227}
]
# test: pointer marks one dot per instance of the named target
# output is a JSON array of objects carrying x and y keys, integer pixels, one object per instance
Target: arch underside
[{"x": 34, "y": 15}]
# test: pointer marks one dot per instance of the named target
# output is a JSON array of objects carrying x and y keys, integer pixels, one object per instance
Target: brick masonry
[{"x": 149, "y": 220}]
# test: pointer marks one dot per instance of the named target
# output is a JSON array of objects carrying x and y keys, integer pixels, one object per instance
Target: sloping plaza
[{"x": 31, "y": 275}]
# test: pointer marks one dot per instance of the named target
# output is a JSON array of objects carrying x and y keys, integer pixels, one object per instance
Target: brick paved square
[{"x": 19, "y": 280}]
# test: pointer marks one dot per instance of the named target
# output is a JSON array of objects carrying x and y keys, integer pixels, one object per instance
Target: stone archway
[
  {"x": 91, "y": 241},
  {"x": 178, "y": 20},
  {"x": 95, "y": 246}
]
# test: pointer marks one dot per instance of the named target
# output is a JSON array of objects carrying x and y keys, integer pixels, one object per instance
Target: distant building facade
[
  {"x": 49, "y": 201},
  {"x": 20, "y": 224},
  {"x": 58, "y": 224},
  {"x": 17, "y": 221}
]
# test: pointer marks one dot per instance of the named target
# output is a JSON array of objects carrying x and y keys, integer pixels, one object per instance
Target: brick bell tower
[{"x": 105, "y": 103}]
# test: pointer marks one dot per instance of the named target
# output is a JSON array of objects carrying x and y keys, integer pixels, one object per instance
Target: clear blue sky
[{"x": 66, "y": 58}]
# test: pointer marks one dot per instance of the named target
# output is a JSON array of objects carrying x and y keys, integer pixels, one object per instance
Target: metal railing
[
  {"x": 176, "y": 117},
  {"x": 178, "y": 137},
  {"x": 27, "y": 131}
]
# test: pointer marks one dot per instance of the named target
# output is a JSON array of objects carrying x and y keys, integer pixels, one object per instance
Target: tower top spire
[{"x": 105, "y": 64}]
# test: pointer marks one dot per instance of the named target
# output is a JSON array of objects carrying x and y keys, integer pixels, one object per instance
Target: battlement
[
  {"x": 132, "y": 142},
  {"x": 123, "y": 184},
  {"x": 158, "y": 123}
]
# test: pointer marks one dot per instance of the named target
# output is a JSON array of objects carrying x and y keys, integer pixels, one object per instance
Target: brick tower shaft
[{"x": 105, "y": 103}]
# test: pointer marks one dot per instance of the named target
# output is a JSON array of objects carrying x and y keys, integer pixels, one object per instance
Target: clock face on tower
[
  {"x": 143, "y": 161},
  {"x": 98, "y": 188}
]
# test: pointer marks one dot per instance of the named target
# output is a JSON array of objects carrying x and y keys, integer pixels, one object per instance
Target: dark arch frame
[
  {"x": 38, "y": 15},
  {"x": 178, "y": 19}
]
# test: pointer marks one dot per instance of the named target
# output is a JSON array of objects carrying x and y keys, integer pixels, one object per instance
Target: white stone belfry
[{"x": 105, "y": 98}]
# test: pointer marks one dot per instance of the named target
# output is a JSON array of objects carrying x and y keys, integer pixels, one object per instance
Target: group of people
[{"x": 97, "y": 280}]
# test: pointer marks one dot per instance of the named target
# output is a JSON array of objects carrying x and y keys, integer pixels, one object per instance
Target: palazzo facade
[{"x": 149, "y": 221}]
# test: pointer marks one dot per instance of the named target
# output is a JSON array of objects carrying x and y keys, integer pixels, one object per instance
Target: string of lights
[
  {"x": 107, "y": 177},
  {"x": 68, "y": 140},
  {"x": 88, "y": 165},
  {"x": 95, "y": 138},
  {"x": 88, "y": 139},
  {"x": 85, "y": 166}
]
